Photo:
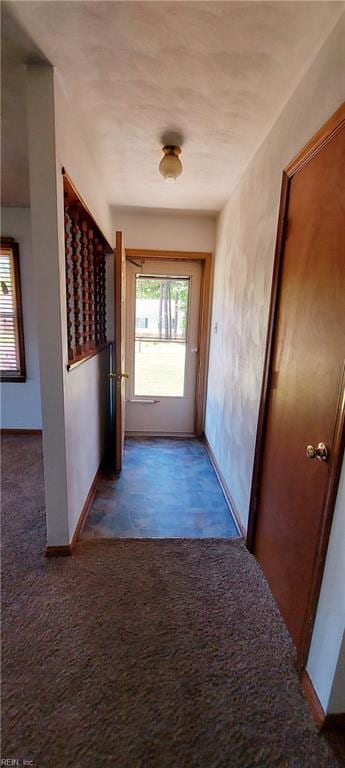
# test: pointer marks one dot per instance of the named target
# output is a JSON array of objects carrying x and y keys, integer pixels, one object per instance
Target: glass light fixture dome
[{"x": 170, "y": 166}]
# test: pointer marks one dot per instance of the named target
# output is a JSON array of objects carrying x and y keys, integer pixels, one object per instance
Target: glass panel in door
[{"x": 161, "y": 318}]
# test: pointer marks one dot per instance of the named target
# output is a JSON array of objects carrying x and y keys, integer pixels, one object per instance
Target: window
[
  {"x": 141, "y": 322},
  {"x": 160, "y": 352},
  {"x": 12, "y": 357}
]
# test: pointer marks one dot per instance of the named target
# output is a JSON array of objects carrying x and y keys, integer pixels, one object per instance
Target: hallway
[
  {"x": 167, "y": 489},
  {"x": 163, "y": 654},
  {"x": 172, "y": 264}
]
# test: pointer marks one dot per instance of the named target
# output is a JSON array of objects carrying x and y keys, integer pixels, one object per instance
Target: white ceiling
[
  {"x": 14, "y": 159},
  {"x": 218, "y": 73}
]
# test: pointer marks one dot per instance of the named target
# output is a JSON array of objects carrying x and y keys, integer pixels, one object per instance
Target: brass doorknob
[
  {"x": 118, "y": 376},
  {"x": 320, "y": 453}
]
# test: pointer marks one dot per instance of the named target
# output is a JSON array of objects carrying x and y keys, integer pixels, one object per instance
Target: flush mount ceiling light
[{"x": 170, "y": 166}]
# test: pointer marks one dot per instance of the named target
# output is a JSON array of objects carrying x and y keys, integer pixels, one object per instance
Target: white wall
[
  {"x": 86, "y": 387},
  {"x": 21, "y": 402},
  {"x": 336, "y": 703},
  {"x": 87, "y": 421},
  {"x": 326, "y": 663},
  {"x": 166, "y": 230},
  {"x": 76, "y": 156},
  {"x": 246, "y": 234},
  {"x": 48, "y": 259},
  {"x": 74, "y": 403}
]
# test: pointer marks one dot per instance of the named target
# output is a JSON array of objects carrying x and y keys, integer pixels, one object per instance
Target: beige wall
[
  {"x": 246, "y": 234},
  {"x": 166, "y": 230},
  {"x": 243, "y": 269}
]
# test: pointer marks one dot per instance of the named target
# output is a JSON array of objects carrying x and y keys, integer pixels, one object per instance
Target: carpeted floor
[{"x": 141, "y": 653}]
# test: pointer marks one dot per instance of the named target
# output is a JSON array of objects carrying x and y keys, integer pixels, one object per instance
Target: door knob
[
  {"x": 118, "y": 376},
  {"x": 320, "y": 453}
]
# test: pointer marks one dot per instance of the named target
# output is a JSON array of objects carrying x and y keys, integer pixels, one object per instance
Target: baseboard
[
  {"x": 225, "y": 488},
  {"x": 20, "y": 431},
  {"x": 175, "y": 435},
  {"x": 62, "y": 551},
  {"x": 335, "y": 722},
  {"x": 326, "y": 722},
  {"x": 312, "y": 699},
  {"x": 89, "y": 499},
  {"x": 67, "y": 549}
]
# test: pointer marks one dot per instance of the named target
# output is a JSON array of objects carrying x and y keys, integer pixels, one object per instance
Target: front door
[
  {"x": 162, "y": 338},
  {"x": 306, "y": 385}
]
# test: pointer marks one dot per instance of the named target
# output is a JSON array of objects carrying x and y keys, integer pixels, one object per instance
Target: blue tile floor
[{"x": 168, "y": 488}]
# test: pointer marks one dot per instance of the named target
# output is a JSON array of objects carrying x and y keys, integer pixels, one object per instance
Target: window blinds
[{"x": 9, "y": 342}]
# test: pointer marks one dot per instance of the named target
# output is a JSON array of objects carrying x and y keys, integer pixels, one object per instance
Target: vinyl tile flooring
[{"x": 168, "y": 488}]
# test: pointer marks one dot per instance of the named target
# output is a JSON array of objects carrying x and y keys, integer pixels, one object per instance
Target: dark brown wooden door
[
  {"x": 303, "y": 399},
  {"x": 119, "y": 374}
]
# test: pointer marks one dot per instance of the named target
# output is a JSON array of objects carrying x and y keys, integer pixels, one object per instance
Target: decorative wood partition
[{"x": 85, "y": 251}]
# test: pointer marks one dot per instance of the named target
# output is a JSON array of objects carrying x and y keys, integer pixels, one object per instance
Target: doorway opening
[{"x": 162, "y": 483}]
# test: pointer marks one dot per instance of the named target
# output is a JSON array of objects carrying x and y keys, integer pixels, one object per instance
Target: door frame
[
  {"x": 118, "y": 352},
  {"x": 204, "y": 318},
  {"x": 333, "y": 126}
]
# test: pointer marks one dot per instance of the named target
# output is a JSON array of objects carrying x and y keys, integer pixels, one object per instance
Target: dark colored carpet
[{"x": 164, "y": 653}]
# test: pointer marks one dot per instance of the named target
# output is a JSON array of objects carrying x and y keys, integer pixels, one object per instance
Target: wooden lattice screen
[{"x": 85, "y": 250}]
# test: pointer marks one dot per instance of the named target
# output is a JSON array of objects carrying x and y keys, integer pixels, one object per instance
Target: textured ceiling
[{"x": 217, "y": 73}]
